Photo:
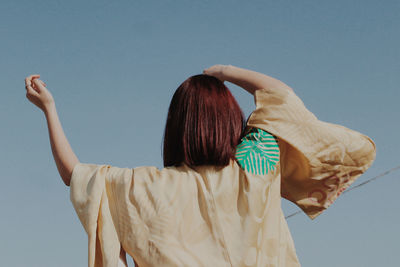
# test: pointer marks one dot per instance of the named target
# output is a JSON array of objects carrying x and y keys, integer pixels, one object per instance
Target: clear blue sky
[{"x": 112, "y": 67}]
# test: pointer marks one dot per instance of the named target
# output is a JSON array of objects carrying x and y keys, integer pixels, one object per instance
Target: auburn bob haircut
[{"x": 204, "y": 124}]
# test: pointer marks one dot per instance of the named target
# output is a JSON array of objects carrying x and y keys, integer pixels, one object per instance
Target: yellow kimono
[{"x": 221, "y": 216}]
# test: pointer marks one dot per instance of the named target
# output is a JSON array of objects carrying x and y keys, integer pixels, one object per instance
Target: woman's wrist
[
  {"x": 239, "y": 76},
  {"x": 49, "y": 109},
  {"x": 226, "y": 71},
  {"x": 232, "y": 73}
]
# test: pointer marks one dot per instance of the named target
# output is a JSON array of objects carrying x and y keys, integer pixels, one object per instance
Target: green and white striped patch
[{"x": 258, "y": 152}]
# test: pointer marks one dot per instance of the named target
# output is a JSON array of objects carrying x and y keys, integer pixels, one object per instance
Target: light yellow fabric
[
  {"x": 220, "y": 216},
  {"x": 320, "y": 160}
]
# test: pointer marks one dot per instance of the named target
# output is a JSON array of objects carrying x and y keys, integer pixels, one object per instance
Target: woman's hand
[
  {"x": 37, "y": 92},
  {"x": 216, "y": 71}
]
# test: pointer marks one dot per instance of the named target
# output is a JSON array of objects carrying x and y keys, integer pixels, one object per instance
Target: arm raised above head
[
  {"x": 247, "y": 79},
  {"x": 63, "y": 154}
]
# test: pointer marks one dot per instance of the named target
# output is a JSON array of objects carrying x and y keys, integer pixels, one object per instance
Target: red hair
[{"x": 204, "y": 124}]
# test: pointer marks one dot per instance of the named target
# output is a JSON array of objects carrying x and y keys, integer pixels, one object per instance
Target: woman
[{"x": 217, "y": 201}]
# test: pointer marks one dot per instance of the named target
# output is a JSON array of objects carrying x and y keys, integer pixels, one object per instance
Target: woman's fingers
[
  {"x": 41, "y": 82},
  {"x": 44, "y": 84},
  {"x": 216, "y": 71},
  {"x": 28, "y": 87},
  {"x": 38, "y": 85},
  {"x": 30, "y": 77},
  {"x": 28, "y": 80},
  {"x": 31, "y": 92}
]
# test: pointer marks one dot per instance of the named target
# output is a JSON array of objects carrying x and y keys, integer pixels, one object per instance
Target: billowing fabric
[
  {"x": 319, "y": 159},
  {"x": 221, "y": 216}
]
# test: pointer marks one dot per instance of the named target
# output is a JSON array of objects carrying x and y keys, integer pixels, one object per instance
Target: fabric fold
[
  {"x": 90, "y": 199},
  {"x": 319, "y": 159}
]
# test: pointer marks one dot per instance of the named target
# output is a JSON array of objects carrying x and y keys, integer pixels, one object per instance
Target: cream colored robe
[{"x": 210, "y": 216}]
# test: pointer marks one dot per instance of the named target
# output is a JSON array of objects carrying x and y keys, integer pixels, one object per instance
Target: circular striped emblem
[{"x": 258, "y": 152}]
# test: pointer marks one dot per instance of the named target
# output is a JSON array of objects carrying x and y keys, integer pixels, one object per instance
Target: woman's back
[
  {"x": 206, "y": 216},
  {"x": 223, "y": 215}
]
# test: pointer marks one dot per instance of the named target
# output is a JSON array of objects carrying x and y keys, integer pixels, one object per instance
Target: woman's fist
[
  {"x": 216, "y": 71},
  {"x": 37, "y": 92}
]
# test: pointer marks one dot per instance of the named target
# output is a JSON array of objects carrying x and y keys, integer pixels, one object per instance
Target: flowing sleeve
[
  {"x": 319, "y": 160},
  {"x": 91, "y": 197}
]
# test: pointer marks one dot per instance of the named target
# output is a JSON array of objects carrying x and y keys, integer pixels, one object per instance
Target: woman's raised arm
[
  {"x": 247, "y": 79},
  {"x": 63, "y": 154}
]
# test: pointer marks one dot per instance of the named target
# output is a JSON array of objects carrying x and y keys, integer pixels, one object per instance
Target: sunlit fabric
[{"x": 221, "y": 216}]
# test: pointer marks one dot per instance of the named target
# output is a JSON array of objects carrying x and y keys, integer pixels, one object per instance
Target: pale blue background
[{"x": 112, "y": 67}]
